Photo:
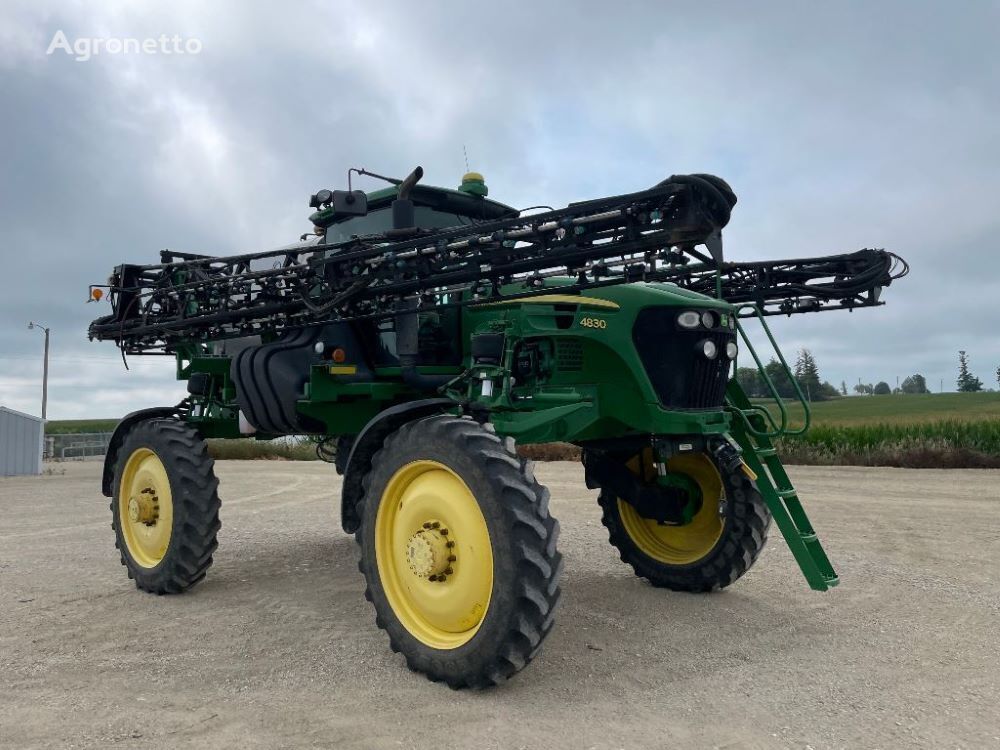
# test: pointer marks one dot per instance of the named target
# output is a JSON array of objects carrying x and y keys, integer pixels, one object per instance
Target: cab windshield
[{"x": 380, "y": 221}]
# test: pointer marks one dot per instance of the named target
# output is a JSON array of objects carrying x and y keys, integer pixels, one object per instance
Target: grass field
[
  {"x": 944, "y": 430},
  {"x": 902, "y": 409},
  {"x": 76, "y": 426}
]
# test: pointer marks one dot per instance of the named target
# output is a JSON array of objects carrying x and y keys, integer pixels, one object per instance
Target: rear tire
[
  {"x": 458, "y": 551},
  {"x": 165, "y": 506},
  {"x": 708, "y": 554}
]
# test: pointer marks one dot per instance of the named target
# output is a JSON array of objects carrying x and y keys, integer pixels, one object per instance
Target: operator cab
[
  {"x": 339, "y": 218},
  {"x": 395, "y": 213}
]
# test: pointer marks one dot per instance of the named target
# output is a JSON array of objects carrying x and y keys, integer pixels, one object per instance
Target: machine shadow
[{"x": 313, "y": 589}]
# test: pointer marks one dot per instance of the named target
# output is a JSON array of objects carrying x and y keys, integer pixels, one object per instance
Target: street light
[{"x": 45, "y": 371}]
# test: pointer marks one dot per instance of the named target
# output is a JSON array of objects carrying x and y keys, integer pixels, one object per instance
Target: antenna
[{"x": 466, "y": 154}]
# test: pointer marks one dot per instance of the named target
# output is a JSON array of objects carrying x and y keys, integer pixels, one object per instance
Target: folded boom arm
[{"x": 648, "y": 236}]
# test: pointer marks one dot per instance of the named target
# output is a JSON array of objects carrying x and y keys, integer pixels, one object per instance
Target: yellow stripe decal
[
  {"x": 557, "y": 299},
  {"x": 344, "y": 370}
]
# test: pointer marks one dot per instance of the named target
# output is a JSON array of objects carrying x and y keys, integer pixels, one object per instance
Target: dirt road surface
[{"x": 277, "y": 648}]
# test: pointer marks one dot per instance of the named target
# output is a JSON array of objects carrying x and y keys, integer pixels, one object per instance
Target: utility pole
[{"x": 45, "y": 368}]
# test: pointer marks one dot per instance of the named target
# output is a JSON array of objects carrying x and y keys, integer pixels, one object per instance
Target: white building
[{"x": 21, "y": 437}]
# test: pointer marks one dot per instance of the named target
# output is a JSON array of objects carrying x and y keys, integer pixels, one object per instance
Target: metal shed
[{"x": 21, "y": 438}]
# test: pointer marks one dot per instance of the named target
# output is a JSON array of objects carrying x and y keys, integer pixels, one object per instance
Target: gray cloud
[{"x": 840, "y": 126}]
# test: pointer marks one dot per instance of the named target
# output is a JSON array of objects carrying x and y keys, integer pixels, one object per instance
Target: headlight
[
  {"x": 708, "y": 319},
  {"x": 709, "y": 349},
  {"x": 732, "y": 350},
  {"x": 688, "y": 319}
]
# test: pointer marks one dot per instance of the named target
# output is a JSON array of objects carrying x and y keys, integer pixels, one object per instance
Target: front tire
[
  {"x": 719, "y": 544},
  {"x": 165, "y": 507},
  {"x": 458, "y": 551}
]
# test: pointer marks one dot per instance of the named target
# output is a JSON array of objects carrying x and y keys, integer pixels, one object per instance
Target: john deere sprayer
[{"x": 419, "y": 334}]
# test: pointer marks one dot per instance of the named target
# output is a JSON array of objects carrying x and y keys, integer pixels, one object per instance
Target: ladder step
[{"x": 783, "y": 501}]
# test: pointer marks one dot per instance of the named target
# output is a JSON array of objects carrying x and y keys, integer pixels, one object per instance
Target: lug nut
[
  {"x": 448, "y": 571},
  {"x": 452, "y": 558}
]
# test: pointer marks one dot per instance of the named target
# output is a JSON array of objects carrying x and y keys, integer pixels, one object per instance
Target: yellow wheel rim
[
  {"x": 434, "y": 557},
  {"x": 145, "y": 508},
  {"x": 678, "y": 545}
]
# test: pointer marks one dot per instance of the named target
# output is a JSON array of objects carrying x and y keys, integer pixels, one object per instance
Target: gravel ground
[{"x": 277, "y": 648}]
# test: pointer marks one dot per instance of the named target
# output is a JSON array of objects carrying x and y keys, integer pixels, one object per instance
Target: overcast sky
[{"x": 839, "y": 125}]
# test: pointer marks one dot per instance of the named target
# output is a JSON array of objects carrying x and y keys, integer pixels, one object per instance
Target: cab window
[{"x": 380, "y": 221}]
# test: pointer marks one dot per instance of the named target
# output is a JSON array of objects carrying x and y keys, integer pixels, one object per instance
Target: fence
[{"x": 77, "y": 446}]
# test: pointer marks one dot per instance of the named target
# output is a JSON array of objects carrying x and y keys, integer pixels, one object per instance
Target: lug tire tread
[
  {"x": 743, "y": 538},
  {"x": 196, "y": 504},
  {"x": 530, "y": 539}
]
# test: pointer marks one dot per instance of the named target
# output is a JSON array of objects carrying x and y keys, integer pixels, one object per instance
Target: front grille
[
  {"x": 681, "y": 375},
  {"x": 569, "y": 354}
]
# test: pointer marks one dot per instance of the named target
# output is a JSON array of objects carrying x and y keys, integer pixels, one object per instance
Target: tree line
[
  {"x": 805, "y": 372},
  {"x": 967, "y": 382},
  {"x": 814, "y": 388}
]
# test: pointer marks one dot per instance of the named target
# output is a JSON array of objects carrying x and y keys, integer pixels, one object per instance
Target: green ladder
[
  {"x": 779, "y": 494},
  {"x": 754, "y": 428}
]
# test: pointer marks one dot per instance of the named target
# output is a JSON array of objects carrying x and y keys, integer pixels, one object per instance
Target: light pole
[{"x": 45, "y": 370}]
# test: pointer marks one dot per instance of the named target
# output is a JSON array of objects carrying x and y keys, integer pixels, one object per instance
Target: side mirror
[
  {"x": 350, "y": 203},
  {"x": 343, "y": 202}
]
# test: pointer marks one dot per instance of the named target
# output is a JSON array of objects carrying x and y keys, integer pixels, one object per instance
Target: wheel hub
[
  {"x": 425, "y": 515},
  {"x": 144, "y": 507},
  {"x": 704, "y": 519},
  {"x": 429, "y": 552}
]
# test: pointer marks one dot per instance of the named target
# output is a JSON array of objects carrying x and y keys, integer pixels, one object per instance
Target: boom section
[{"x": 647, "y": 236}]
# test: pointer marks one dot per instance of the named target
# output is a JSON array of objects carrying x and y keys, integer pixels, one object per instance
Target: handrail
[{"x": 772, "y": 428}]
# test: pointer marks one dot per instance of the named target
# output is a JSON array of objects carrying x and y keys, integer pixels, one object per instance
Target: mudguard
[
  {"x": 118, "y": 437},
  {"x": 367, "y": 444}
]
